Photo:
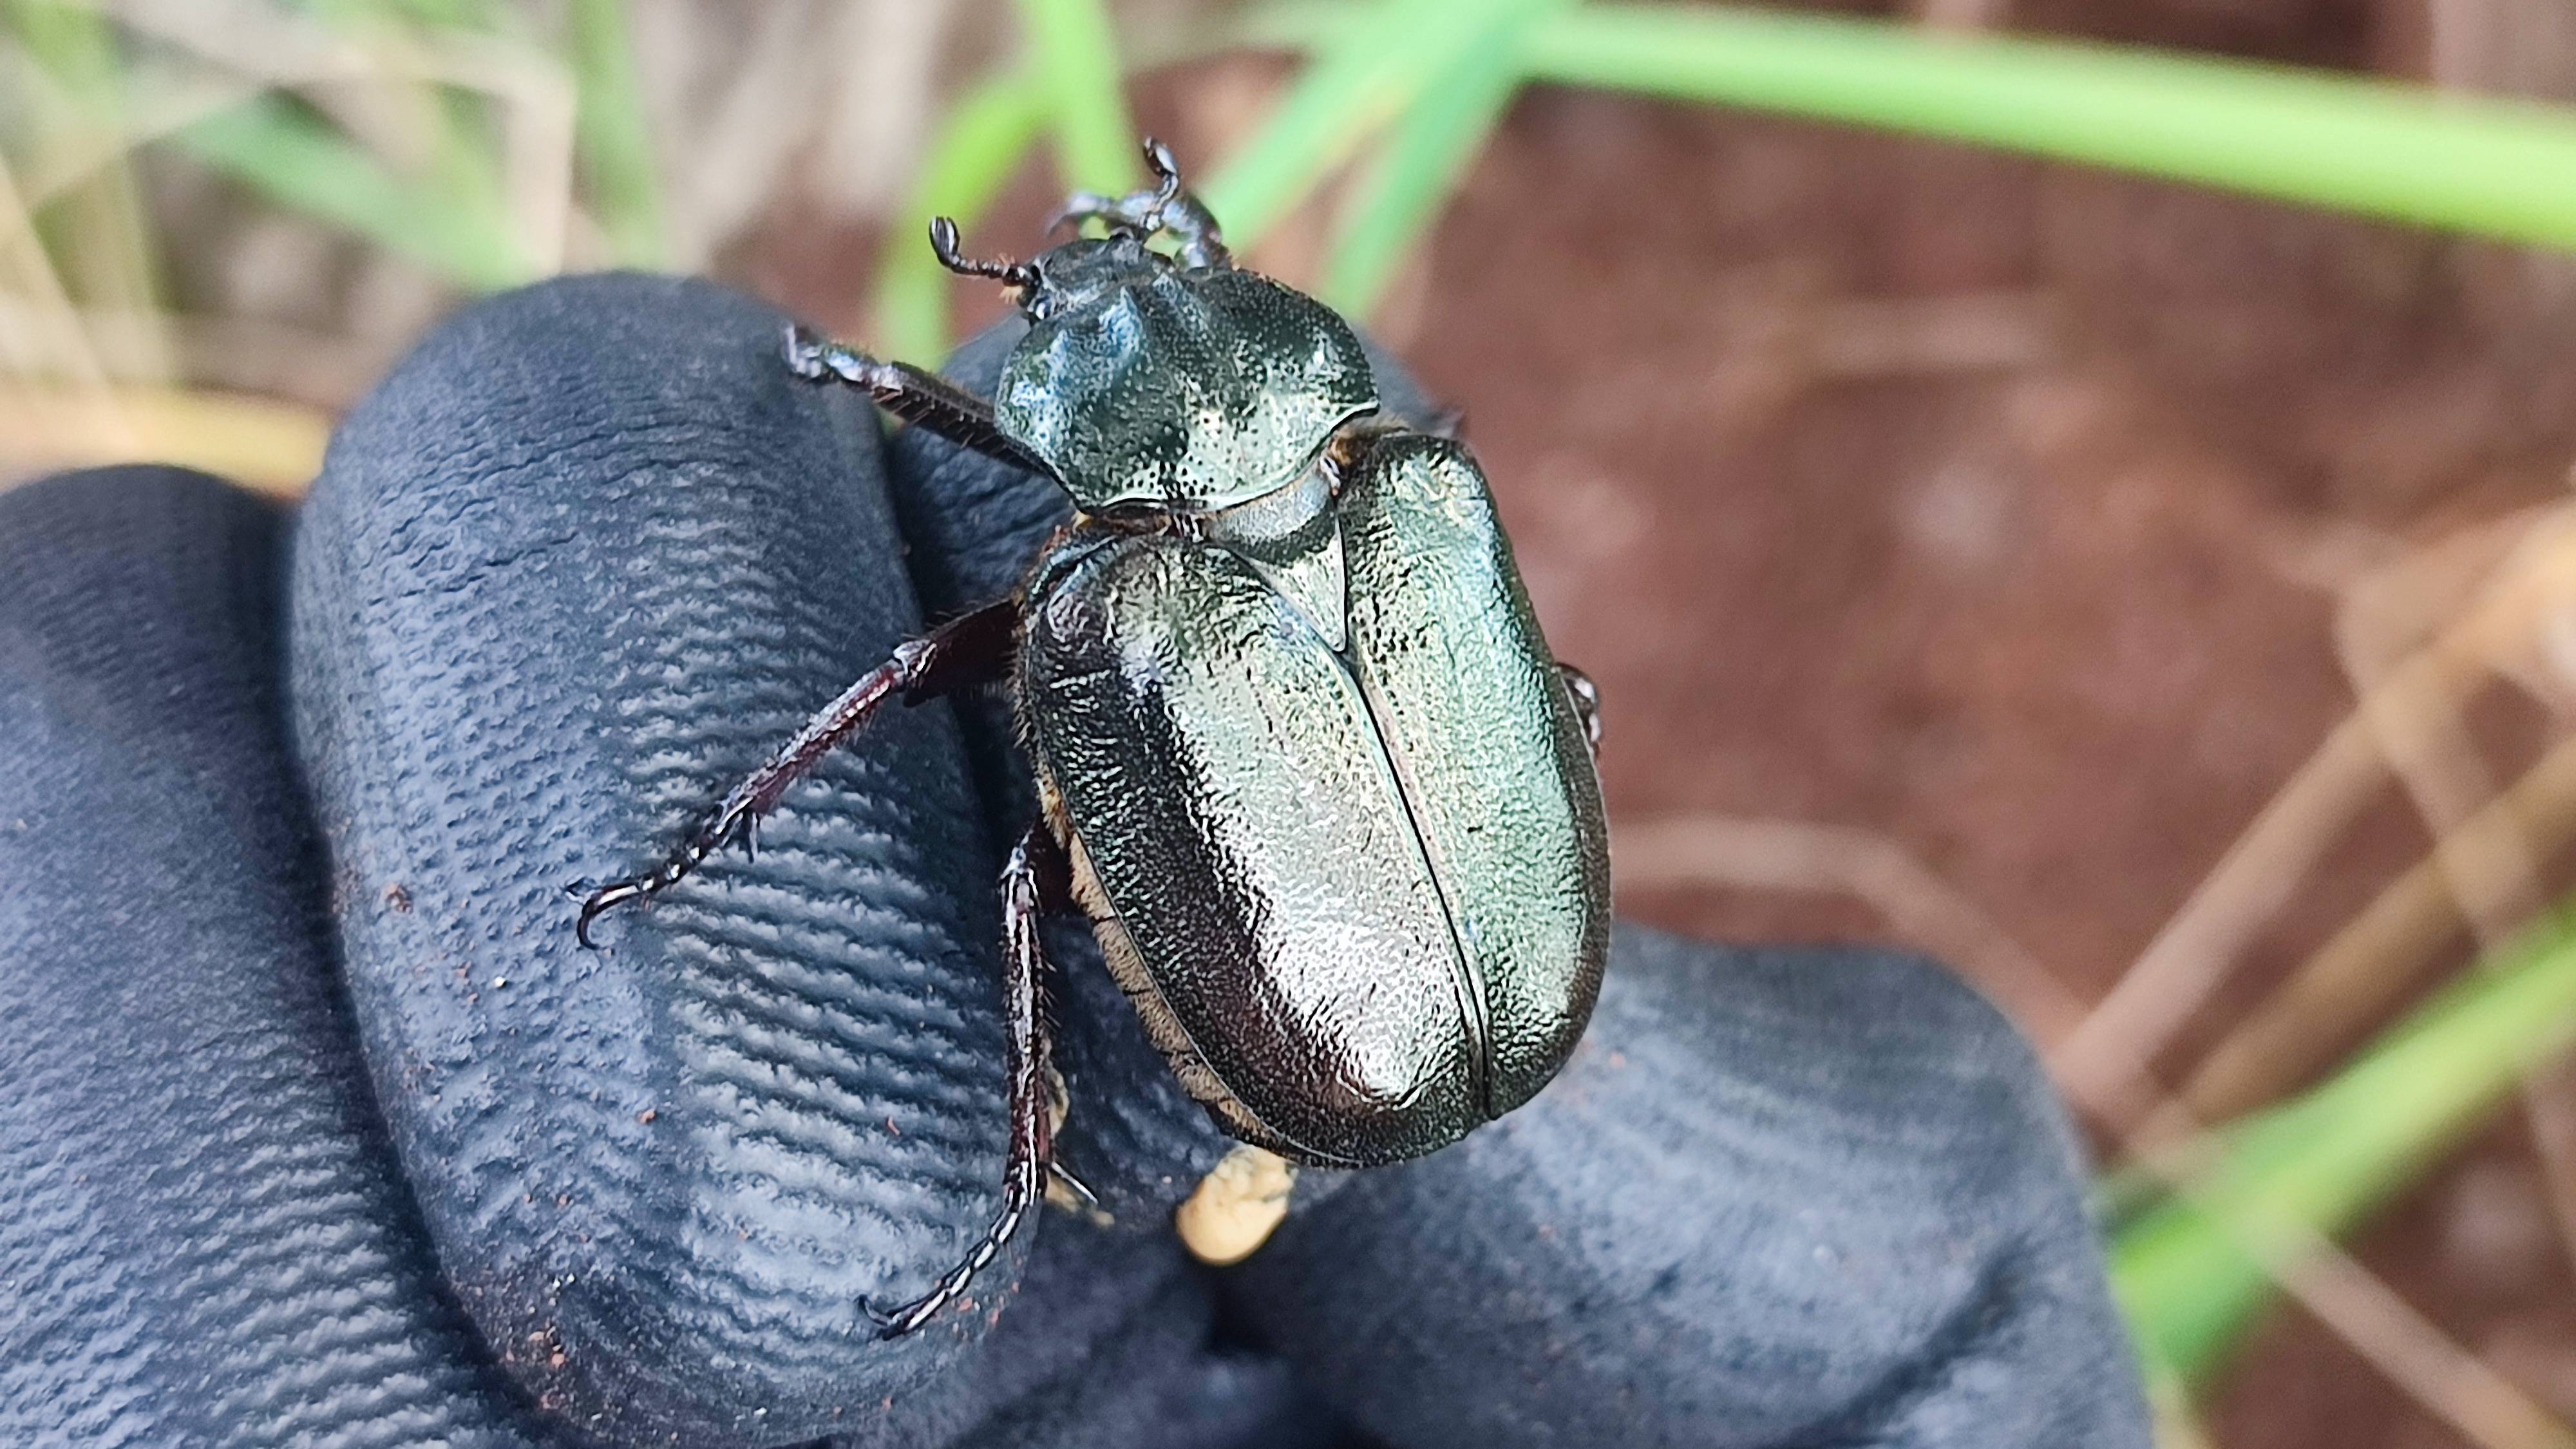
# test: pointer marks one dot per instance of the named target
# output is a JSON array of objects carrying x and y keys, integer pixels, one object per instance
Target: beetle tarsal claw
[
  {"x": 1238, "y": 1205},
  {"x": 1064, "y": 1189},
  {"x": 1069, "y": 1193}
]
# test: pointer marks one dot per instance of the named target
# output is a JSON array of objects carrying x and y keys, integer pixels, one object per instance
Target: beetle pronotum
[{"x": 1303, "y": 758}]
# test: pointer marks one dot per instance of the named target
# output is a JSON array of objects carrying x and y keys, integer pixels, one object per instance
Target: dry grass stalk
[
  {"x": 55, "y": 345},
  {"x": 270, "y": 446},
  {"x": 2485, "y": 872},
  {"x": 1701, "y": 851},
  {"x": 2443, "y": 1376},
  {"x": 224, "y": 354},
  {"x": 1962, "y": 14},
  {"x": 1705, "y": 851},
  {"x": 2200, "y": 942},
  {"x": 2493, "y": 874},
  {"x": 2293, "y": 832},
  {"x": 1961, "y": 332},
  {"x": 2357, "y": 975},
  {"x": 2456, "y": 1385}
]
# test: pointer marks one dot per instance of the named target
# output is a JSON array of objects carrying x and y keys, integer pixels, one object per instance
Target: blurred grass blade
[
  {"x": 97, "y": 235},
  {"x": 434, "y": 14},
  {"x": 1403, "y": 188},
  {"x": 2190, "y": 1272},
  {"x": 458, "y": 139},
  {"x": 2495, "y": 168},
  {"x": 619, "y": 177},
  {"x": 263, "y": 443},
  {"x": 2176, "y": 1426},
  {"x": 987, "y": 134},
  {"x": 294, "y": 158},
  {"x": 1366, "y": 70},
  {"x": 1076, "y": 55},
  {"x": 1300, "y": 24}
]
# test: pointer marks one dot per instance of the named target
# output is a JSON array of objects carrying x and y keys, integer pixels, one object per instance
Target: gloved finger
[
  {"x": 1782, "y": 1196},
  {"x": 201, "y": 1228},
  {"x": 1106, "y": 1342},
  {"x": 1132, "y": 1135},
  {"x": 202, "y": 1222},
  {"x": 1154, "y": 1382},
  {"x": 580, "y": 563}
]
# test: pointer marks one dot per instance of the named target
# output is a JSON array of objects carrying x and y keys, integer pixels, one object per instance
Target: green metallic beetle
[{"x": 1302, "y": 756}]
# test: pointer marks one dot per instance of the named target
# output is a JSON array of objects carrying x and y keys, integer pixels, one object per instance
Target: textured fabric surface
[
  {"x": 1807, "y": 1197},
  {"x": 317, "y": 1129},
  {"x": 204, "y": 1235},
  {"x": 202, "y": 1239},
  {"x": 571, "y": 565}
]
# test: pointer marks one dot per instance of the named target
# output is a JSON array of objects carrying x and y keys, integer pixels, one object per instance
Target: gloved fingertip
[
  {"x": 1779, "y": 1195},
  {"x": 202, "y": 1230},
  {"x": 574, "y": 569}
]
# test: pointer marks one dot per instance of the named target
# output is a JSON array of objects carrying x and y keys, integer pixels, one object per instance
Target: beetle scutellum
[{"x": 1303, "y": 759}]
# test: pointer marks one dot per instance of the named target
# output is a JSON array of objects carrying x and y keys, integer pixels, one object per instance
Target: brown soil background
[{"x": 1999, "y": 512}]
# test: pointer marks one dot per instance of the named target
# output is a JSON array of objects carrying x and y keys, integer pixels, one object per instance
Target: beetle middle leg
[
  {"x": 1034, "y": 881},
  {"x": 969, "y": 650}
]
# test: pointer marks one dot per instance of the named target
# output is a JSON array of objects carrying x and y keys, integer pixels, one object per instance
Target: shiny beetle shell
[
  {"x": 1303, "y": 757},
  {"x": 1146, "y": 385},
  {"x": 1329, "y": 802}
]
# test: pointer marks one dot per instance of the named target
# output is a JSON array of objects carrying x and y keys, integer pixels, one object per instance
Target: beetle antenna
[{"x": 943, "y": 244}]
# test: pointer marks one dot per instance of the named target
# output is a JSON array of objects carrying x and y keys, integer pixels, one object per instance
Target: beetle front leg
[
  {"x": 1035, "y": 880},
  {"x": 968, "y": 650},
  {"x": 910, "y": 394},
  {"x": 1165, "y": 207},
  {"x": 1587, "y": 703}
]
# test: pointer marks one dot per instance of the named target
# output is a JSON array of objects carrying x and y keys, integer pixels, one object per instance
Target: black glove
[{"x": 574, "y": 568}]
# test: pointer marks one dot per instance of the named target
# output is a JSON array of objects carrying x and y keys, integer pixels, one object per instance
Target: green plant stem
[
  {"x": 987, "y": 134},
  {"x": 1403, "y": 188},
  {"x": 291, "y": 156},
  {"x": 2494, "y": 168},
  {"x": 98, "y": 236},
  {"x": 2194, "y": 1271},
  {"x": 1077, "y": 60},
  {"x": 448, "y": 206},
  {"x": 1367, "y": 68}
]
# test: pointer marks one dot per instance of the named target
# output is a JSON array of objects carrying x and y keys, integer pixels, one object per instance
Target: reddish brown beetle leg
[
  {"x": 971, "y": 649},
  {"x": 1035, "y": 881}
]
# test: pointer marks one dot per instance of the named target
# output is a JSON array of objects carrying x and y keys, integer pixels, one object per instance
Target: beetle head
[{"x": 1154, "y": 384}]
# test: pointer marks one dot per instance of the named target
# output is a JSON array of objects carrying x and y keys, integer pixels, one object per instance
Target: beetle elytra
[{"x": 1303, "y": 758}]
